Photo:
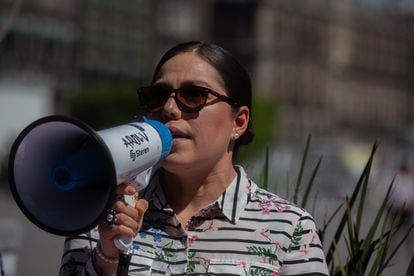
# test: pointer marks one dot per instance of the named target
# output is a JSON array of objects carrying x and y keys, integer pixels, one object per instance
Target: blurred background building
[
  {"x": 338, "y": 70},
  {"x": 334, "y": 67}
]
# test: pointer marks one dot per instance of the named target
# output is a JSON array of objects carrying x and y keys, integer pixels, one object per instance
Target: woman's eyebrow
[
  {"x": 196, "y": 82},
  {"x": 184, "y": 83}
]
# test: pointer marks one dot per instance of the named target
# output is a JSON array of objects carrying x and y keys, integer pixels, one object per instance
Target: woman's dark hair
[{"x": 235, "y": 77}]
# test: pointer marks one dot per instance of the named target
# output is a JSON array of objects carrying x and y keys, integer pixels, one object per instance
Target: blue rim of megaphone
[
  {"x": 11, "y": 175},
  {"x": 165, "y": 135}
]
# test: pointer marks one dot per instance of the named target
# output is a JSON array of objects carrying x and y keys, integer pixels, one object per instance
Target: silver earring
[{"x": 236, "y": 136}]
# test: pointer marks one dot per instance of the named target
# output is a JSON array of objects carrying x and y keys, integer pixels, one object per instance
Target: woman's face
[{"x": 202, "y": 138}]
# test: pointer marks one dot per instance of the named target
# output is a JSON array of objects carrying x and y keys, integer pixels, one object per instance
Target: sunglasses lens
[
  {"x": 153, "y": 97},
  {"x": 192, "y": 97},
  {"x": 188, "y": 98}
]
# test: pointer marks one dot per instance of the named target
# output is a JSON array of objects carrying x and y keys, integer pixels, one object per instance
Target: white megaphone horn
[{"x": 63, "y": 174}]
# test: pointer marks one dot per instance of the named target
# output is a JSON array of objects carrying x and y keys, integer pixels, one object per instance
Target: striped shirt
[{"x": 247, "y": 231}]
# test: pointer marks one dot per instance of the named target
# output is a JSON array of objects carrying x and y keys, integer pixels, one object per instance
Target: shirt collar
[
  {"x": 234, "y": 199},
  {"x": 231, "y": 202}
]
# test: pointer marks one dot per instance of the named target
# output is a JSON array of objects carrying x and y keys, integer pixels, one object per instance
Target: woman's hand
[{"x": 128, "y": 220}]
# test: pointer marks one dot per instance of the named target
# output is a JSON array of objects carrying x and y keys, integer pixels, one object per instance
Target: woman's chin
[{"x": 175, "y": 160}]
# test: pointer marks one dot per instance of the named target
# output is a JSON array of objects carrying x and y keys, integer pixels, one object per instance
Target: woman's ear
[{"x": 241, "y": 121}]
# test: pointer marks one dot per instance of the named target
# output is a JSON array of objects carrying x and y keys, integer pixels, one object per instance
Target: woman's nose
[{"x": 170, "y": 110}]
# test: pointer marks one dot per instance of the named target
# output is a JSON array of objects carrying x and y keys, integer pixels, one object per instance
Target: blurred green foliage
[
  {"x": 103, "y": 105},
  {"x": 265, "y": 126}
]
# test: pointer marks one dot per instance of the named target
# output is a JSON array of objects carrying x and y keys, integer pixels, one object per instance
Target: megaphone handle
[{"x": 124, "y": 243}]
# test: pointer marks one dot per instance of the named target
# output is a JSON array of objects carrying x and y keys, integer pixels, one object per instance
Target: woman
[{"x": 201, "y": 214}]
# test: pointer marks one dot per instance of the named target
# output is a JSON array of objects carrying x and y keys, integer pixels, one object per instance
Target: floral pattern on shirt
[{"x": 269, "y": 201}]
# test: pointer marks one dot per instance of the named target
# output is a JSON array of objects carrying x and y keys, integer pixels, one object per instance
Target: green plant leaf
[
  {"x": 264, "y": 177},
  {"x": 382, "y": 248},
  {"x": 355, "y": 193},
  {"x": 321, "y": 232},
  {"x": 403, "y": 239},
  {"x": 350, "y": 226},
  {"x": 301, "y": 170},
  {"x": 367, "y": 246},
  {"x": 362, "y": 200},
  {"x": 310, "y": 183}
]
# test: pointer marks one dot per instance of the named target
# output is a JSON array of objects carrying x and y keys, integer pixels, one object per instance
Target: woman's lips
[{"x": 178, "y": 134}]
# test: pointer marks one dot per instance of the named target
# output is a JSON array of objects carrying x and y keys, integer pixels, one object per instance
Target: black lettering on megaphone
[
  {"x": 135, "y": 139},
  {"x": 137, "y": 153}
]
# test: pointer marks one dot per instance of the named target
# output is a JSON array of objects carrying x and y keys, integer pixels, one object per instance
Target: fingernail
[{"x": 142, "y": 204}]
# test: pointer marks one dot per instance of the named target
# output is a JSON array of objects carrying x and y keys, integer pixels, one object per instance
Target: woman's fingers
[
  {"x": 128, "y": 217},
  {"x": 126, "y": 188},
  {"x": 122, "y": 207},
  {"x": 141, "y": 206},
  {"x": 127, "y": 221}
]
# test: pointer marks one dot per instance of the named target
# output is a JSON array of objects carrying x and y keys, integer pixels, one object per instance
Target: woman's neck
[{"x": 192, "y": 191}]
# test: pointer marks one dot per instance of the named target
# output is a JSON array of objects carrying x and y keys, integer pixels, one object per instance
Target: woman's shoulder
[
  {"x": 269, "y": 202},
  {"x": 273, "y": 203}
]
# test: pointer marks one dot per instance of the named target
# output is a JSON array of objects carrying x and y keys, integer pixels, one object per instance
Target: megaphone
[{"x": 63, "y": 174}]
